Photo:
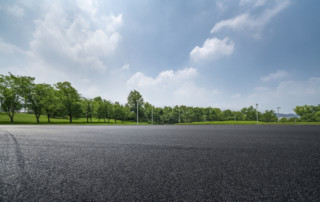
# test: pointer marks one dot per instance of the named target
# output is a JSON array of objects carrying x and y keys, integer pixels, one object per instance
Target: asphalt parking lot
[{"x": 159, "y": 163}]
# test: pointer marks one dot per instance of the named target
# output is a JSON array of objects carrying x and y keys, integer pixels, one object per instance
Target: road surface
[{"x": 159, "y": 163}]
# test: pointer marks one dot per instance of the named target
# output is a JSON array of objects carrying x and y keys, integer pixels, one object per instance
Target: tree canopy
[{"x": 21, "y": 93}]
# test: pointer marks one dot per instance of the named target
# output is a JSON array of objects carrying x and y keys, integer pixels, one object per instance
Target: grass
[
  {"x": 22, "y": 118},
  {"x": 249, "y": 123}
]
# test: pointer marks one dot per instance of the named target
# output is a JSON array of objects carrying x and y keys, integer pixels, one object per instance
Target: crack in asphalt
[
  {"x": 18, "y": 152},
  {"x": 23, "y": 178}
]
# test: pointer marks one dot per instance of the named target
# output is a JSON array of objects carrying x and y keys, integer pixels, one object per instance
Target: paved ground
[{"x": 144, "y": 163}]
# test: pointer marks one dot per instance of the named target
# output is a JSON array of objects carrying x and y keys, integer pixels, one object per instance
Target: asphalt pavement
[{"x": 159, "y": 163}]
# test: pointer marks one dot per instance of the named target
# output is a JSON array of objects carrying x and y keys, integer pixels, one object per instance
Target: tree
[
  {"x": 50, "y": 101},
  {"x": 217, "y": 114},
  {"x": 9, "y": 96},
  {"x": 38, "y": 98},
  {"x": 134, "y": 100},
  {"x": 227, "y": 115},
  {"x": 34, "y": 95},
  {"x": 108, "y": 109},
  {"x": 307, "y": 112},
  {"x": 198, "y": 114},
  {"x": 69, "y": 98},
  {"x": 100, "y": 108},
  {"x": 283, "y": 119},
  {"x": 117, "y": 111},
  {"x": 87, "y": 108},
  {"x": 148, "y": 111},
  {"x": 125, "y": 111},
  {"x": 250, "y": 113},
  {"x": 269, "y": 116}
]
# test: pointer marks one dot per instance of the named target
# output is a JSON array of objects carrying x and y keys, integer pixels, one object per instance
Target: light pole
[
  {"x": 137, "y": 112},
  {"x": 278, "y": 112},
  {"x": 152, "y": 115},
  {"x": 179, "y": 115},
  {"x": 257, "y": 113}
]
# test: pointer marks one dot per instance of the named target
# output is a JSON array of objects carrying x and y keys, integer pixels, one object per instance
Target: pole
[
  {"x": 137, "y": 112},
  {"x": 152, "y": 115},
  {"x": 257, "y": 113},
  {"x": 278, "y": 113},
  {"x": 179, "y": 115}
]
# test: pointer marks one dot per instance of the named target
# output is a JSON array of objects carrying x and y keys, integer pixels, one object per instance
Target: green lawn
[
  {"x": 22, "y": 118},
  {"x": 249, "y": 123}
]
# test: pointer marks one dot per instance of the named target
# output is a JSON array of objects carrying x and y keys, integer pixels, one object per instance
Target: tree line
[{"x": 63, "y": 100}]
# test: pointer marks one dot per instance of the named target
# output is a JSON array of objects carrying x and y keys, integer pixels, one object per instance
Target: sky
[{"x": 228, "y": 54}]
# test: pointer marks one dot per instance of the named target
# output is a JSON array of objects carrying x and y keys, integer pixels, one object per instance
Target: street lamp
[
  {"x": 137, "y": 112},
  {"x": 257, "y": 112},
  {"x": 152, "y": 115},
  {"x": 278, "y": 112}
]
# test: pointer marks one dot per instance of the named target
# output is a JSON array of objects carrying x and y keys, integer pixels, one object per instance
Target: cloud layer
[
  {"x": 212, "y": 49},
  {"x": 250, "y": 23},
  {"x": 277, "y": 75}
]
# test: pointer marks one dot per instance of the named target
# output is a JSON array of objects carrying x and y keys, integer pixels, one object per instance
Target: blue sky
[{"x": 228, "y": 54}]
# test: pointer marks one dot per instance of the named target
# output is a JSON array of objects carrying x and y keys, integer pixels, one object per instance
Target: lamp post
[
  {"x": 278, "y": 112},
  {"x": 257, "y": 112},
  {"x": 137, "y": 112},
  {"x": 152, "y": 115},
  {"x": 179, "y": 115}
]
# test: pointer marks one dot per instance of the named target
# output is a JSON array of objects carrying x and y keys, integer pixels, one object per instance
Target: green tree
[
  {"x": 269, "y": 116},
  {"x": 125, "y": 112},
  {"x": 250, "y": 113},
  {"x": 34, "y": 95},
  {"x": 134, "y": 100},
  {"x": 148, "y": 111},
  {"x": 50, "y": 101},
  {"x": 117, "y": 111},
  {"x": 283, "y": 119},
  {"x": 217, "y": 114},
  {"x": 9, "y": 96},
  {"x": 227, "y": 115},
  {"x": 108, "y": 109},
  {"x": 38, "y": 100},
  {"x": 307, "y": 112},
  {"x": 100, "y": 108},
  {"x": 87, "y": 108},
  {"x": 69, "y": 98},
  {"x": 198, "y": 114}
]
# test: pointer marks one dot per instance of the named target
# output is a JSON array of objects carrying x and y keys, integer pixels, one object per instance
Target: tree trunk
[
  {"x": 48, "y": 118},
  {"x": 87, "y": 118},
  {"x": 70, "y": 118},
  {"x": 115, "y": 120},
  {"x": 11, "y": 118},
  {"x": 104, "y": 119},
  {"x": 37, "y": 119}
]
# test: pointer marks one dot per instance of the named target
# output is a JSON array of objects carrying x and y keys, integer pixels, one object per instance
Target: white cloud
[
  {"x": 288, "y": 94},
  {"x": 212, "y": 49},
  {"x": 254, "y": 3},
  {"x": 14, "y": 10},
  {"x": 247, "y": 22},
  {"x": 71, "y": 42},
  {"x": 125, "y": 67},
  {"x": 171, "y": 88},
  {"x": 236, "y": 96},
  {"x": 165, "y": 78},
  {"x": 80, "y": 40},
  {"x": 8, "y": 48},
  {"x": 277, "y": 75}
]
